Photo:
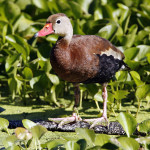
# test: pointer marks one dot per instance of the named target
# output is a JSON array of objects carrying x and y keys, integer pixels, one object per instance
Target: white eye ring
[{"x": 58, "y": 21}]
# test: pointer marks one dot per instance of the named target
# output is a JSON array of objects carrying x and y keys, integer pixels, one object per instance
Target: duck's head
[{"x": 57, "y": 24}]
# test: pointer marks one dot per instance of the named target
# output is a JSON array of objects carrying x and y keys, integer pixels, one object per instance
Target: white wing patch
[{"x": 115, "y": 54}]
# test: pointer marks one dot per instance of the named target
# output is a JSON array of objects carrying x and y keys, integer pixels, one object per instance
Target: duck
[{"x": 81, "y": 59}]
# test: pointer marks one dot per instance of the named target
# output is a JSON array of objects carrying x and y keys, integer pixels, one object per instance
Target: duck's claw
[
  {"x": 97, "y": 121},
  {"x": 66, "y": 120}
]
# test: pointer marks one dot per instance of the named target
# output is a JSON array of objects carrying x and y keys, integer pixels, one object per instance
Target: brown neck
[{"x": 63, "y": 43}]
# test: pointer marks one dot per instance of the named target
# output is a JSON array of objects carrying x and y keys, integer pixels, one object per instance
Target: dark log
[{"x": 114, "y": 128}]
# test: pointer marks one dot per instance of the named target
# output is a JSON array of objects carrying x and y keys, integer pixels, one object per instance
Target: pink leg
[
  {"x": 104, "y": 95},
  {"x": 75, "y": 116},
  {"x": 103, "y": 119}
]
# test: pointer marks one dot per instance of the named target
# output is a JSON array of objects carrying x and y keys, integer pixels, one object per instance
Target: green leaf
[
  {"x": 54, "y": 143},
  {"x": 38, "y": 131},
  {"x": 4, "y": 123},
  {"x": 23, "y": 3},
  {"x": 144, "y": 126},
  {"x": 27, "y": 72},
  {"x": 12, "y": 86},
  {"x": 85, "y": 4},
  {"x": 120, "y": 94},
  {"x": 28, "y": 124},
  {"x": 13, "y": 147},
  {"x": 11, "y": 11},
  {"x": 42, "y": 4},
  {"x": 146, "y": 8},
  {"x": 71, "y": 145},
  {"x": 101, "y": 139},
  {"x": 22, "y": 134},
  {"x": 148, "y": 57},
  {"x": 128, "y": 123},
  {"x": 136, "y": 77},
  {"x": 76, "y": 9},
  {"x": 143, "y": 50},
  {"x": 22, "y": 23},
  {"x": 131, "y": 53},
  {"x": 34, "y": 80},
  {"x": 142, "y": 91},
  {"x": 11, "y": 63},
  {"x": 128, "y": 143},
  {"x": 98, "y": 96},
  {"x": 86, "y": 134},
  {"x": 82, "y": 143},
  {"x": 20, "y": 45},
  {"x": 53, "y": 78},
  {"x": 9, "y": 141},
  {"x": 108, "y": 31}
]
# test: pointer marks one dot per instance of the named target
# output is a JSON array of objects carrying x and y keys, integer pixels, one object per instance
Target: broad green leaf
[
  {"x": 131, "y": 53},
  {"x": 38, "y": 131},
  {"x": 11, "y": 63},
  {"x": 98, "y": 96},
  {"x": 142, "y": 91},
  {"x": 45, "y": 65},
  {"x": 86, "y": 134},
  {"x": 9, "y": 141},
  {"x": 11, "y": 11},
  {"x": 13, "y": 147},
  {"x": 53, "y": 78},
  {"x": 22, "y": 134},
  {"x": 23, "y": 3},
  {"x": 27, "y": 72},
  {"x": 19, "y": 44},
  {"x": 136, "y": 77},
  {"x": 28, "y": 124},
  {"x": 76, "y": 27},
  {"x": 144, "y": 126},
  {"x": 54, "y": 143},
  {"x": 85, "y": 4},
  {"x": 121, "y": 75},
  {"x": 92, "y": 88},
  {"x": 120, "y": 94},
  {"x": 134, "y": 65},
  {"x": 42, "y": 4},
  {"x": 146, "y": 8},
  {"x": 128, "y": 123},
  {"x": 101, "y": 139},
  {"x": 108, "y": 31},
  {"x": 4, "y": 123},
  {"x": 34, "y": 80},
  {"x": 71, "y": 145},
  {"x": 82, "y": 143},
  {"x": 98, "y": 14},
  {"x": 143, "y": 140},
  {"x": 22, "y": 23},
  {"x": 76, "y": 9},
  {"x": 128, "y": 143},
  {"x": 143, "y": 50}
]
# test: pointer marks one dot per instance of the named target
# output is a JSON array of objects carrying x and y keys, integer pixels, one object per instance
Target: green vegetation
[
  {"x": 29, "y": 137},
  {"x": 26, "y": 71}
]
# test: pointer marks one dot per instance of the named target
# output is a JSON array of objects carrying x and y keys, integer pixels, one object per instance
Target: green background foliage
[{"x": 25, "y": 67}]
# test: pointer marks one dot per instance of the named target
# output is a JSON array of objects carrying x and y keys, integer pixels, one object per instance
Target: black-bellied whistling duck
[{"x": 81, "y": 59}]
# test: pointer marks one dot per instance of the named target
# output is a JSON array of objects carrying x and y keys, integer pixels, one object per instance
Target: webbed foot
[
  {"x": 61, "y": 121},
  {"x": 97, "y": 121}
]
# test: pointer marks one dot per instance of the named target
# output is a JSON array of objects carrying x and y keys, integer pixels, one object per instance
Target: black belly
[{"x": 108, "y": 67}]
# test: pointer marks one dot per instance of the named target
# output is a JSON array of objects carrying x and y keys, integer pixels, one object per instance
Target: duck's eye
[{"x": 58, "y": 21}]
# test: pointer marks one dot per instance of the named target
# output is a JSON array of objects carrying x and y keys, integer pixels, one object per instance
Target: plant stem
[{"x": 139, "y": 104}]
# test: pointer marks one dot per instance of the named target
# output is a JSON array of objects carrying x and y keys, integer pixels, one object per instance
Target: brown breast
[{"x": 77, "y": 62}]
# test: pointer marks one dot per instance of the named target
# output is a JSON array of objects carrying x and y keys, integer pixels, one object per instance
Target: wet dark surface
[{"x": 114, "y": 128}]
